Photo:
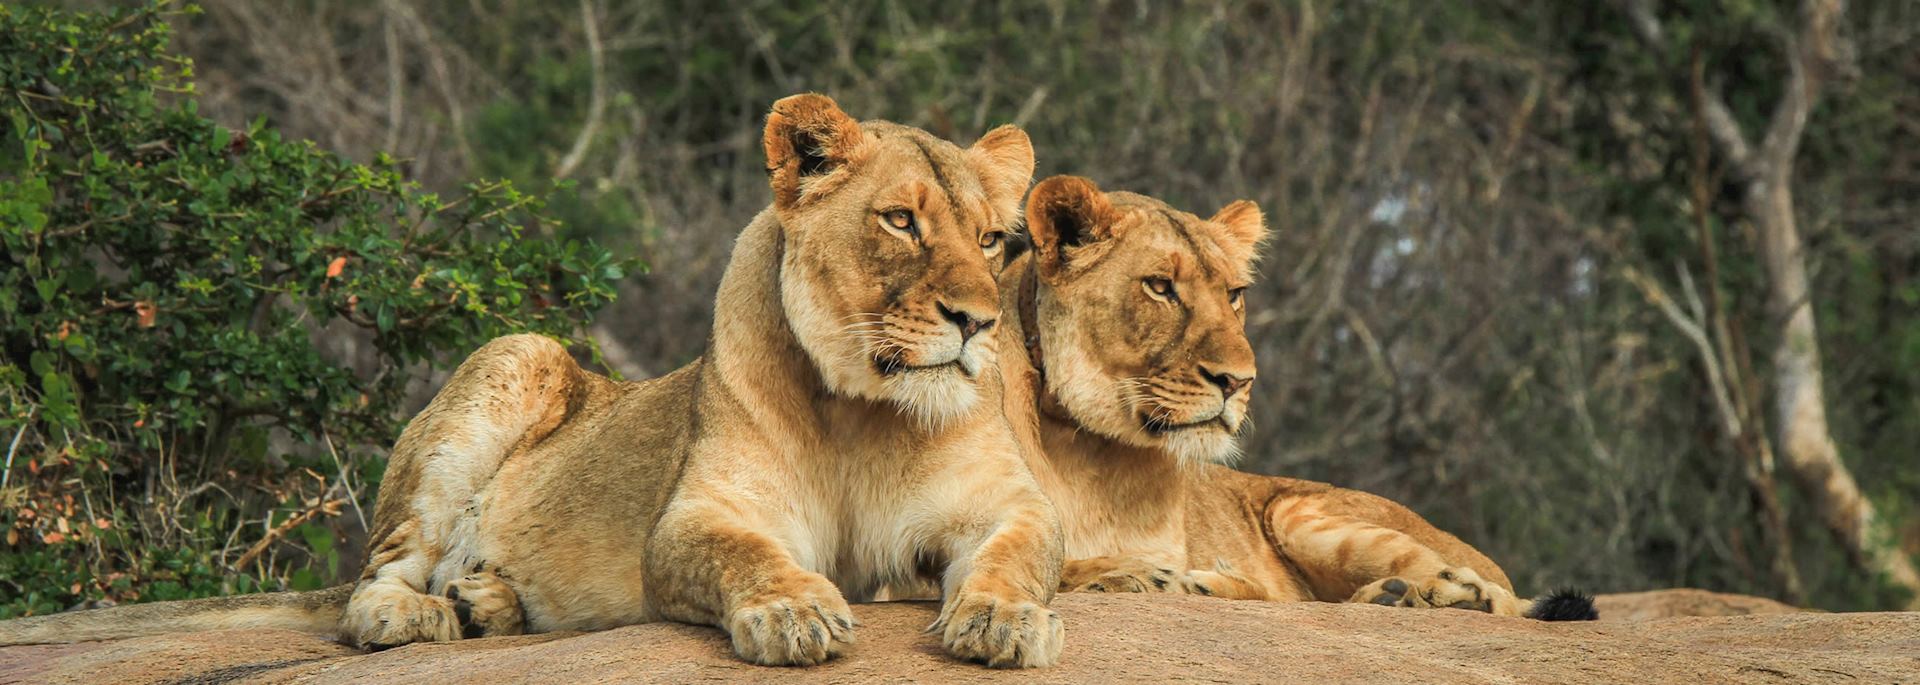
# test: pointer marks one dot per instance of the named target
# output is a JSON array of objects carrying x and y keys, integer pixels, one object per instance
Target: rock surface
[
  {"x": 1640, "y": 606},
  {"x": 1110, "y": 638}
]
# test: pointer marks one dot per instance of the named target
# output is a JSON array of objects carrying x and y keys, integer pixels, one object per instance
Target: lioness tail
[
  {"x": 317, "y": 611},
  {"x": 1565, "y": 604}
]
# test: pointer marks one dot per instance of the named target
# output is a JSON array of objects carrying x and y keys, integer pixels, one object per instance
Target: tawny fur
[
  {"x": 1157, "y": 511},
  {"x": 841, "y": 433}
]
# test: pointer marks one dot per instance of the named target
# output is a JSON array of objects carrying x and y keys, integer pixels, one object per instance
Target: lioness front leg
[
  {"x": 996, "y": 610},
  {"x": 707, "y": 566}
]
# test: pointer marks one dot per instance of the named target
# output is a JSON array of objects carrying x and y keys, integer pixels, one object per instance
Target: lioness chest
[{"x": 879, "y": 500}]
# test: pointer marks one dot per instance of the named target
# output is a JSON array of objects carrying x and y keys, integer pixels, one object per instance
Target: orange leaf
[
  {"x": 102, "y": 524},
  {"x": 142, "y": 423},
  {"x": 55, "y": 538},
  {"x": 13, "y": 537},
  {"x": 338, "y": 265},
  {"x": 146, "y": 311}
]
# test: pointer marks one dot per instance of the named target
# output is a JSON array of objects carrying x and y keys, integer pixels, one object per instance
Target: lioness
[
  {"x": 843, "y": 431},
  {"x": 1125, "y": 346}
]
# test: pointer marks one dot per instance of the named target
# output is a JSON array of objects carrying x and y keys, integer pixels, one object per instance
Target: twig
[
  {"x": 358, "y": 512},
  {"x": 330, "y": 508},
  {"x": 7, "y": 473}
]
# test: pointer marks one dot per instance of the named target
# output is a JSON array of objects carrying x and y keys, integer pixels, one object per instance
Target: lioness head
[
  {"x": 1141, "y": 320},
  {"x": 888, "y": 236}
]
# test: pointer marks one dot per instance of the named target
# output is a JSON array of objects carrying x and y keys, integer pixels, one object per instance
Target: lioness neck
[
  {"x": 754, "y": 356},
  {"x": 1113, "y": 498}
]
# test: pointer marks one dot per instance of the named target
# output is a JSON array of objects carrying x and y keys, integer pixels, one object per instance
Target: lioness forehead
[
  {"x": 911, "y": 152},
  {"x": 1191, "y": 243}
]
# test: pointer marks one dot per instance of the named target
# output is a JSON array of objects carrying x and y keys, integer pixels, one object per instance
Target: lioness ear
[
  {"x": 1066, "y": 212},
  {"x": 1004, "y": 158},
  {"x": 807, "y": 139},
  {"x": 1246, "y": 229}
]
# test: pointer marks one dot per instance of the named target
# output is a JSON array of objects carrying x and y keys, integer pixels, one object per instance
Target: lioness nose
[
  {"x": 969, "y": 323},
  {"x": 1228, "y": 381}
]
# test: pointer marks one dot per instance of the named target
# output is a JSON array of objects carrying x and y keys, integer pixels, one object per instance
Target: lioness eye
[
  {"x": 991, "y": 241},
  {"x": 901, "y": 220},
  {"x": 1237, "y": 297},
  {"x": 1159, "y": 288}
]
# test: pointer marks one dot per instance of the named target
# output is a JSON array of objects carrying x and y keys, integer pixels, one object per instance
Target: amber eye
[
  {"x": 1158, "y": 287},
  {"x": 901, "y": 221},
  {"x": 1237, "y": 297},
  {"x": 991, "y": 241}
]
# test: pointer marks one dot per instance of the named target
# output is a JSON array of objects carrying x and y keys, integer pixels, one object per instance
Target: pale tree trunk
[
  {"x": 1800, "y": 401},
  {"x": 1766, "y": 173}
]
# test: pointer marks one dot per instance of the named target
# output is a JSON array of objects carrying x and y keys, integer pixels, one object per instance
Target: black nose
[
  {"x": 968, "y": 323},
  {"x": 1227, "y": 382}
]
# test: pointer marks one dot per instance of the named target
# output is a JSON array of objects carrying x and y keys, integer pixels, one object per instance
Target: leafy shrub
[{"x": 208, "y": 334}]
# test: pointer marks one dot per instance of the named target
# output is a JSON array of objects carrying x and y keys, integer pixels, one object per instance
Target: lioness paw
[
  {"x": 1001, "y": 633},
  {"x": 398, "y": 616},
  {"x": 1225, "y": 582},
  {"x": 485, "y": 606},
  {"x": 805, "y": 628},
  {"x": 1144, "y": 579},
  {"x": 1454, "y": 588},
  {"x": 1123, "y": 574}
]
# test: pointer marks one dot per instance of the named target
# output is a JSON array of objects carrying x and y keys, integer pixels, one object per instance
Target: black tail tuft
[{"x": 1565, "y": 604}]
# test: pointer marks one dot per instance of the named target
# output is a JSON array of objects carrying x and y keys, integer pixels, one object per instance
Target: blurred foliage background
[{"x": 1480, "y": 207}]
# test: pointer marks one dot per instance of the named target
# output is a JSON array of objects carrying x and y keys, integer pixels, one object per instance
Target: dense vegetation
[
  {"x": 209, "y": 332},
  {"x": 1475, "y": 203}
]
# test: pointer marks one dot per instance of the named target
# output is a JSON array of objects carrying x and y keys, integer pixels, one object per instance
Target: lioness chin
[
  {"x": 843, "y": 431},
  {"x": 1125, "y": 351}
]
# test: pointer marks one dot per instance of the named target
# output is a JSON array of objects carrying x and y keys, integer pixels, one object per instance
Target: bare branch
[
  {"x": 1694, "y": 332},
  {"x": 1811, "y": 54},
  {"x": 1721, "y": 125},
  {"x": 396, "y": 83},
  {"x": 597, "y": 102}
]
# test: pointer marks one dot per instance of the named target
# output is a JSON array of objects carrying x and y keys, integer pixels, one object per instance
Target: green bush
[{"x": 208, "y": 333}]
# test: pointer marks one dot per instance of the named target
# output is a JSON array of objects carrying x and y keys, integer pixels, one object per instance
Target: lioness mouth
[
  {"x": 888, "y": 366},
  {"x": 1157, "y": 428}
]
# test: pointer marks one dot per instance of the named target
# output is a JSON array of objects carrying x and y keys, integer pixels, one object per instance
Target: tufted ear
[
  {"x": 1246, "y": 229},
  {"x": 807, "y": 139},
  {"x": 1004, "y": 159},
  {"x": 1066, "y": 212}
]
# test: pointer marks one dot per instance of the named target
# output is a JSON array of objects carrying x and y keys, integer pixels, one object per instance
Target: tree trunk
[
  {"x": 1815, "y": 52},
  {"x": 1799, "y": 398}
]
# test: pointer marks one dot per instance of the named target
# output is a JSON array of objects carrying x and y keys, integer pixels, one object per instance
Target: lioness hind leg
[
  {"x": 486, "y": 606},
  {"x": 507, "y": 396},
  {"x": 1452, "y": 588}
]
